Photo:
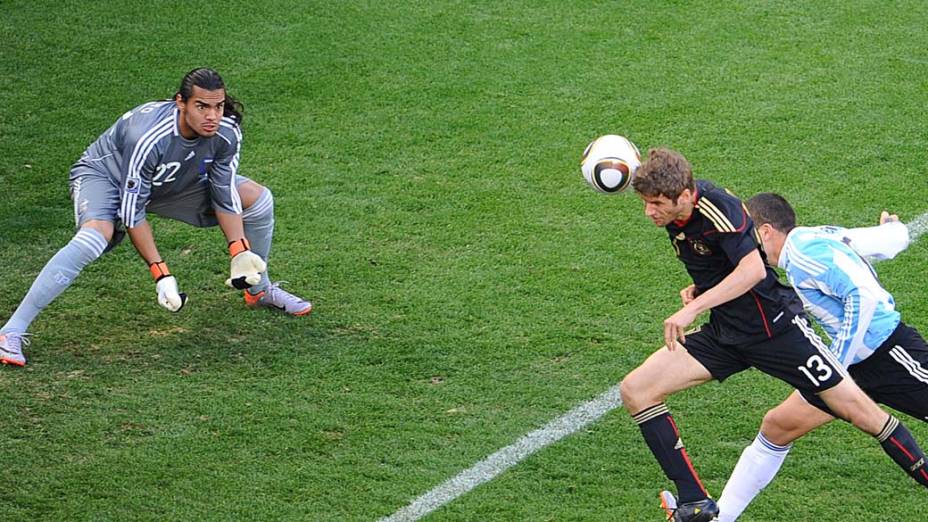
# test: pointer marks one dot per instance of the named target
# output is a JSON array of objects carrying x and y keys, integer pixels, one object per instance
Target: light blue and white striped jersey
[
  {"x": 147, "y": 158},
  {"x": 839, "y": 287}
]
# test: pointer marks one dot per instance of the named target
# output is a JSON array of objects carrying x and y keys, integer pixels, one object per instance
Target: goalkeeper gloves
[
  {"x": 166, "y": 284},
  {"x": 247, "y": 266}
]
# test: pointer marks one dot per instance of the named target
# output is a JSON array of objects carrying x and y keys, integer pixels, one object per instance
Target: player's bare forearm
[
  {"x": 231, "y": 225},
  {"x": 745, "y": 276},
  {"x": 144, "y": 242},
  {"x": 750, "y": 271}
]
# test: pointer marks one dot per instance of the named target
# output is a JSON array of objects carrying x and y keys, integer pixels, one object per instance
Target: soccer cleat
[
  {"x": 11, "y": 348},
  {"x": 704, "y": 510},
  {"x": 279, "y": 299}
]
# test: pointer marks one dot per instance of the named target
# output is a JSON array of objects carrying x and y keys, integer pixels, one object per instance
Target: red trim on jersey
[
  {"x": 682, "y": 222},
  {"x": 744, "y": 220},
  {"x": 763, "y": 316},
  {"x": 686, "y": 458}
]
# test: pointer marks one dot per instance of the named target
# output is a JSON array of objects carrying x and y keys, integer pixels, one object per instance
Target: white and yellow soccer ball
[{"x": 609, "y": 163}]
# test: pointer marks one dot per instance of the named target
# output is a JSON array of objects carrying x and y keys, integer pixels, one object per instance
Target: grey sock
[
  {"x": 57, "y": 275},
  {"x": 259, "y": 230}
]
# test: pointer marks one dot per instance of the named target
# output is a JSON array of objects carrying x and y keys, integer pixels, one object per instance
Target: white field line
[
  {"x": 917, "y": 226},
  {"x": 572, "y": 421},
  {"x": 488, "y": 468}
]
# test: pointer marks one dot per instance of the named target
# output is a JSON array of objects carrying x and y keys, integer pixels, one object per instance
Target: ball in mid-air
[{"x": 609, "y": 163}]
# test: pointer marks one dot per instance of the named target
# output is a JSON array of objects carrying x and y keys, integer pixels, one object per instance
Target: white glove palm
[
  {"x": 246, "y": 270},
  {"x": 168, "y": 296}
]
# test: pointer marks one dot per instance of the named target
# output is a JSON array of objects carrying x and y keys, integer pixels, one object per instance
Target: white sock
[{"x": 758, "y": 464}]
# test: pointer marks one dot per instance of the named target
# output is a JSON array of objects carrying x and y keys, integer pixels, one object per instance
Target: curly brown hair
[{"x": 665, "y": 173}]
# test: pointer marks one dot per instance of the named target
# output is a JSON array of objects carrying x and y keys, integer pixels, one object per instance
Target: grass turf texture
[{"x": 469, "y": 287}]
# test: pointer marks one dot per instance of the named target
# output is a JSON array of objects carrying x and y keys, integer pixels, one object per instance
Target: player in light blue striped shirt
[
  {"x": 840, "y": 289},
  {"x": 828, "y": 268}
]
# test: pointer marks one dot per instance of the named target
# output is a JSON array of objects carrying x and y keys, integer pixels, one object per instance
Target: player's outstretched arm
[
  {"x": 749, "y": 271},
  {"x": 165, "y": 283},
  {"x": 246, "y": 267},
  {"x": 881, "y": 242}
]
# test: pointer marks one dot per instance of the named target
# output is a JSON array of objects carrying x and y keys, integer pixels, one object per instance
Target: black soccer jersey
[{"x": 710, "y": 244}]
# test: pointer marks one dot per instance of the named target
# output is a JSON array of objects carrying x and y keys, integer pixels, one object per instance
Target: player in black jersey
[{"x": 754, "y": 321}]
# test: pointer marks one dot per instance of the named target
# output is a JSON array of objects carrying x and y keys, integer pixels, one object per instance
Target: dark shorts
[
  {"x": 796, "y": 355},
  {"x": 895, "y": 375}
]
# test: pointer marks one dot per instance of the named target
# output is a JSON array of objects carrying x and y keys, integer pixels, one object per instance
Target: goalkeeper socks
[
  {"x": 662, "y": 436},
  {"x": 259, "y": 230},
  {"x": 899, "y": 444},
  {"x": 87, "y": 245},
  {"x": 758, "y": 464}
]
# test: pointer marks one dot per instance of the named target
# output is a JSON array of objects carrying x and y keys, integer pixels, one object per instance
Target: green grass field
[{"x": 469, "y": 287}]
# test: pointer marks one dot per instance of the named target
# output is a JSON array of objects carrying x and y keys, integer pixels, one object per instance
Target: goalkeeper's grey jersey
[{"x": 147, "y": 158}]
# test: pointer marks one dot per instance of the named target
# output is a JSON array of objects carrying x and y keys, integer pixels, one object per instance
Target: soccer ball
[{"x": 609, "y": 163}]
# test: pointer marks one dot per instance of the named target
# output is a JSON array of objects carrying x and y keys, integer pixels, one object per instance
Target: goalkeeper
[{"x": 179, "y": 159}]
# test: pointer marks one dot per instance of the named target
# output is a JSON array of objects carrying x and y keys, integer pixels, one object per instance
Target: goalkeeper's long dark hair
[{"x": 206, "y": 78}]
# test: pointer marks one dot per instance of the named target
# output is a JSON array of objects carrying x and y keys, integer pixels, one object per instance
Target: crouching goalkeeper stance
[{"x": 178, "y": 159}]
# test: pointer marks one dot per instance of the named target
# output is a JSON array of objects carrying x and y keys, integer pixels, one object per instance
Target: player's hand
[
  {"x": 675, "y": 326},
  {"x": 886, "y": 217},
  {"x": 168, "y": 296},
  {"x": 688, "y": 294},
  {"x": 246, "y": 270}
]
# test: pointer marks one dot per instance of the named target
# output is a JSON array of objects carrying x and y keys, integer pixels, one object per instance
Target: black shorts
[
  {"x": 895, "y": 375},
  {"x": 795, "y": 355}
]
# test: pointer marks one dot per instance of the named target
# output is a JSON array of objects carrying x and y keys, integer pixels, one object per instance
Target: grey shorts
[{"x": 96, "y": 196}]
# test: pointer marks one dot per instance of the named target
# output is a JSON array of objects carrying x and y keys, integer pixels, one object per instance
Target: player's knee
[
  {"x": 253, "y": 194},
  {"x": 777, "y": 428},
  {"x": 867, "y": 417},
  {"x": 268, "y": 196},
  {"x": 635, "y": 393},
  {"x": 851, "y": 404},
  {"x": 105, "y": 228},
  {"x": 627, "y": 393}
]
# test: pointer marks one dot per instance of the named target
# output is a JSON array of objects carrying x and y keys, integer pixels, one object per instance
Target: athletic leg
[
  {"x": 258, "y": 219},
  {"x": 59, "y": 272},
  {"x": 643, "y": 393},
  {"x": 799, "y": 357},
  {"x": 57, "y": 275},
  {"x": 96, "y": 202},
  {"x": 849, "y": 402},
  {"x": 762, "y": 459}
]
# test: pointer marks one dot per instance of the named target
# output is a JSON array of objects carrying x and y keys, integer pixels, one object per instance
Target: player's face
[
  {"x": 771, "y": 248},
  {"x": 201, "y": 113},
  {"x": 662, "y": 210}
]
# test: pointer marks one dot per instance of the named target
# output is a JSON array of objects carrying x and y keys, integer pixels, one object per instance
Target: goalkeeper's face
[{"x": 201, "y": 113}]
